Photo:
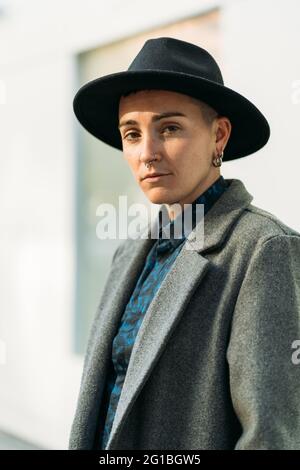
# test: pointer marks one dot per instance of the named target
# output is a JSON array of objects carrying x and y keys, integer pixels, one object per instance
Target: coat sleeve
[{"x": 264, "y": 376}]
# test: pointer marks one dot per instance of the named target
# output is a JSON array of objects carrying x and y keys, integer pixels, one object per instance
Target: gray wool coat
[{"x": 212, "y": 365}]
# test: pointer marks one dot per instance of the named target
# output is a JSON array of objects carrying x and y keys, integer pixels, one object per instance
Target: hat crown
[{"x": 175, "y": 55}]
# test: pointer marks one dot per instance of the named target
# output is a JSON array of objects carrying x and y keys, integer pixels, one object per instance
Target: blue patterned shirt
[{"x": 158, "y": 262}]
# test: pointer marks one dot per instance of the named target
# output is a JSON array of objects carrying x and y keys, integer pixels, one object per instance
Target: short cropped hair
[{"x": 208, "y": 113}]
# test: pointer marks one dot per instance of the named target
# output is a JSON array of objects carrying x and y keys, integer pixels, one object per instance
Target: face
[{"x": 183, "y": 143}]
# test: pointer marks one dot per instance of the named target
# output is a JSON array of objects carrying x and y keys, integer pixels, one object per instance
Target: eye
[
  {"x": 129, "y": 133},
  {"x": 171, "y": 127}
]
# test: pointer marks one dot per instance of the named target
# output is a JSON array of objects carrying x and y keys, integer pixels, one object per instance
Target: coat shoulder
[{"x": 260, "y": 224}]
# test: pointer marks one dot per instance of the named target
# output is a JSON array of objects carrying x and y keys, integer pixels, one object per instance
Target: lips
[{"x": 155, "y": 174}]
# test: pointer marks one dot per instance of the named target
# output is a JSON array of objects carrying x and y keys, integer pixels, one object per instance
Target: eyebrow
[{"x": 155, "y": 118}]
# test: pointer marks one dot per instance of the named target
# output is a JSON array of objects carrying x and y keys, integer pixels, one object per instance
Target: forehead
[{"x": 155, "y": 101}]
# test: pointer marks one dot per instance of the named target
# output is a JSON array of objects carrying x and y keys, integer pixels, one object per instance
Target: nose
[{"x": 149, "y": 150}]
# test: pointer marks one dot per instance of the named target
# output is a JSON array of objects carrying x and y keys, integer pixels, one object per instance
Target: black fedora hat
[{"x": 171, "y": 64}]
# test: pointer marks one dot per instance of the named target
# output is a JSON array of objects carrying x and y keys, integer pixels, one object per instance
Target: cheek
[
  {"x": 186, "y": 152},
  {"x": 199, "y": 156}
]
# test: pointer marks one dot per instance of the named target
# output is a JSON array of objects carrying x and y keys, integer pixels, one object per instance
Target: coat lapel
[{"x": 161, "y": 318}]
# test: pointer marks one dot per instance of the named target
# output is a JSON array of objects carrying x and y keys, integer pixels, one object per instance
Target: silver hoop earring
[{"x": 217, "y": 161}]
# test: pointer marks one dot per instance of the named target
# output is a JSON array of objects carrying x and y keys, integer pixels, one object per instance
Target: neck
[{"x": 175, "y": 208}]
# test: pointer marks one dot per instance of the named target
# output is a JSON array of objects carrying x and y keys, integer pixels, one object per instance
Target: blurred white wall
[
  {"x": 39, "y": 375},
  {"x": 262, "y": 57}
]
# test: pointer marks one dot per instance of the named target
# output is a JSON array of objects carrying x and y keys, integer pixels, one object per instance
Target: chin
[{"x": 161, "y": 197}]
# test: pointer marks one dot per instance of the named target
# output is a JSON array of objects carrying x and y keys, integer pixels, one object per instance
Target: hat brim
[{"x": 96, "y": 106}]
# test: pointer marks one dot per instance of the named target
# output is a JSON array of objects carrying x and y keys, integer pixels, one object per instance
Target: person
[{"x": 191, "y": 346}]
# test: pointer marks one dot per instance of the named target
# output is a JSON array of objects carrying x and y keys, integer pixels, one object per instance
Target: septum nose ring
[{"x": 150, "y": 163}]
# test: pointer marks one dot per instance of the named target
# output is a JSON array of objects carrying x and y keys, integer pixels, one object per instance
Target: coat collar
[
  {"x": 161, "y": 318},
  {"x": 222, "y": 216}
]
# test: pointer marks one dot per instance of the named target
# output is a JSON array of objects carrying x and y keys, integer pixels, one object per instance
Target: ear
[{"x": 223, "y": 130}]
